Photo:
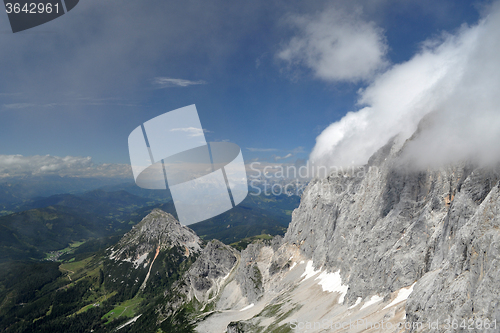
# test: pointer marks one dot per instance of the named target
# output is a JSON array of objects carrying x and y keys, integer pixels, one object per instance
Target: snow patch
[
  {"x": 354, "y": 305},
  {"x": 140, "y": 260},
  {"x": 309, "y": 272},
  {"x": 247, "y": 307},
  {"x": 328, "y": 281},
  {"x": 373, "y": 300},
  {"x": 112, "y": 255},
  {"x": 333, "y": 282},
  {"x": 403, "y": 295},
  {"x": 293, "y": 265}
]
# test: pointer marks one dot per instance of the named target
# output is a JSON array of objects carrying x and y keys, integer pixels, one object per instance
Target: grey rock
[
  {"x": 248, "y": 274},
  {"x": 204, "y": 280},
  {"x": 391, "y": 225}
]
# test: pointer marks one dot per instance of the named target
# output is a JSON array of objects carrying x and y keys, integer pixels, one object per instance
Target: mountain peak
[{"x": 157, "y": 229}]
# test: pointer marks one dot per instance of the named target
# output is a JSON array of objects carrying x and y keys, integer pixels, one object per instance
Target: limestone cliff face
[{"x": 386, "y": 226}]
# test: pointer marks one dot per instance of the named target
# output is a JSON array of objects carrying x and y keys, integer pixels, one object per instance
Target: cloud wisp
[
  {"x": 277, "y": 158},
  {"x": 262, "y": 150},
  {"x": 166, "y": 82},
  {"x": 73, "y": 166},
  {"x": 191, "y": 131},
  {"x": 453, "y": 77},
  {"x": 336, "y": 46},
  {"x": 19, "y": 105}
]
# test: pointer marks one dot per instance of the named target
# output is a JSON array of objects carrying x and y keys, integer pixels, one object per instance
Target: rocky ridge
[{"x": 384, "y": 242}]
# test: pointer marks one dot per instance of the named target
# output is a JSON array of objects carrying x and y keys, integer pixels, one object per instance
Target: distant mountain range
[
  {"x": 15, "y": 191},
  {"x": 53, "y": 251},
  {"x": 45, "y": 224},
  {"x": 52, "y": 223}
]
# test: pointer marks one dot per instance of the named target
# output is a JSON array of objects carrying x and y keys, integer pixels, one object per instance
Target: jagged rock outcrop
[
  {"x": 206, "y": 276},
  {"x": 199, "y": 287}
]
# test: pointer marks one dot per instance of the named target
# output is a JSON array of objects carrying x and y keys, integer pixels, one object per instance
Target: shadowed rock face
[{"x": 214, "y": 263}]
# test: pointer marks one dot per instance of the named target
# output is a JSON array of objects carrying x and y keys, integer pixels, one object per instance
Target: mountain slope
[
  {"x": 385, "y": 244},
  {"x": 51, "y": 223},
  {"x": 256, "y": 215},
  {"x": 32, "y": 233},
  {"x": 96, "y": 202},
  {"x": 17, "y": 190},
  {"x": 155, "y": 248},
  {"x": 102, "y": 292},
  {"x": 382, "y": 243}
]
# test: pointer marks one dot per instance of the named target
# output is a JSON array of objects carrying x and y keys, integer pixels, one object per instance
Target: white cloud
[
  {"x": 166, "y": 82},
  {"x": 77, "y": 102},
  {"x": 18, "y": 105},
  {"x": 191, "y": 131},
  {"x": 455, "y": 77},
  {"x": 263, "y": 150},
  {"x": 277, "y": 158},
  {"x": 298, "y": 150},
  {"x": 337, "y": 46},
  {"x": 18, "y": 165}
]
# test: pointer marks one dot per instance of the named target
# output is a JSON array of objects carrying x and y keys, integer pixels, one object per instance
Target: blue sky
[{"x": 80, "y": 84}]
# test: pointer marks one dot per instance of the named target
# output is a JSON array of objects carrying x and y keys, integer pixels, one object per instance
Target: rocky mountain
[
  {"x": 158, "y": 245},
  {"x": 385, "y": 244},
  {"x": 158, "y": 230},
  {"x": 105, "y": 290}
]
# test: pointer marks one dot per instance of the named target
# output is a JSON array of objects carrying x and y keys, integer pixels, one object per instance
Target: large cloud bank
[
  {"x": 336, "y": 45},
  {"x": 18, "y": 165},
  {"x": 455, "y": 78}
]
